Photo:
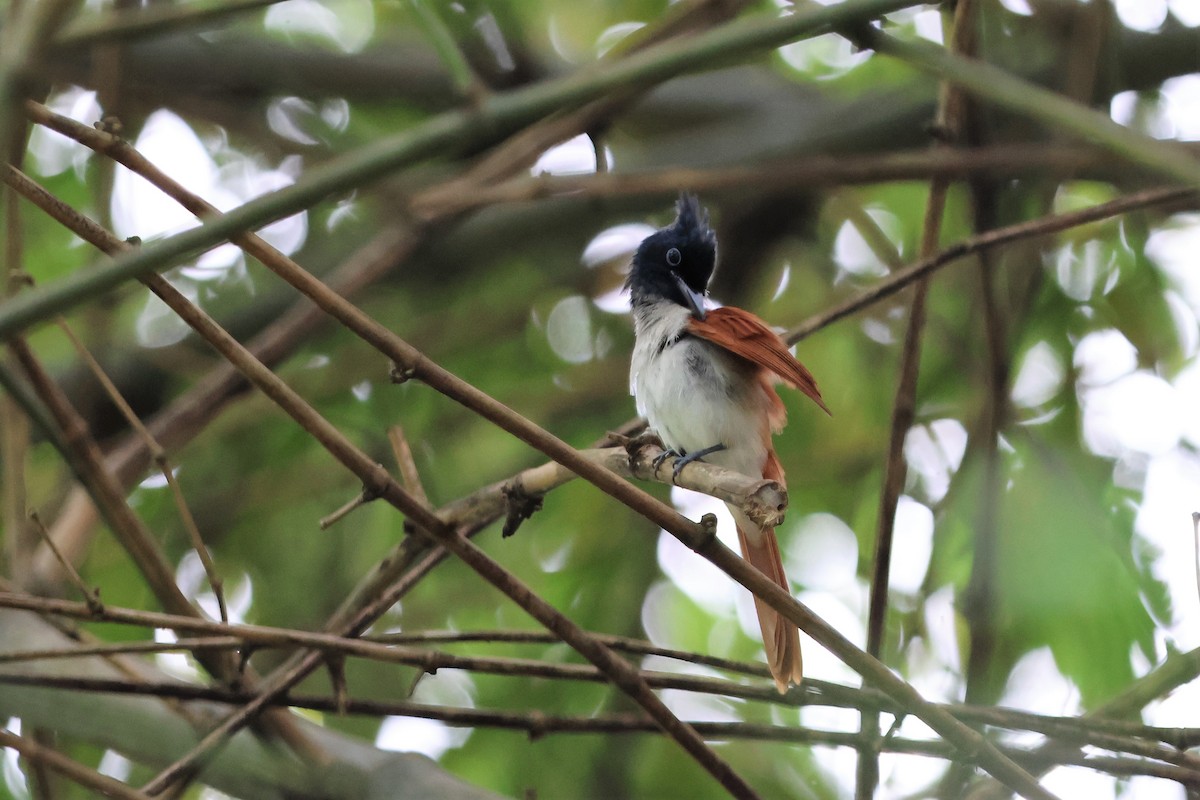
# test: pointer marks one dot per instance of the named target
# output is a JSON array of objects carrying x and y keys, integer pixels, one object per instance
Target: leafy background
[{"x": 1082, "y": 498}]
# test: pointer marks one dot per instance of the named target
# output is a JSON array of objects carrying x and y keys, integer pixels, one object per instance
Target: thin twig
[
  {"x": 407, "y": 464},
  {"x": 536, "y": 724},
  {"x": 1043, "y": 226},
  {"x": 1196, "y": 543},
  {"x": 82, "y": 453},
  {"x": 377, "y": 480},
  {"x": 948, "y": 124},
  {"x": 442, "y": 135},
  {"x": 90, "y": 596},
  {"x": 699, "y": 538},
  {"x": 347, "y": 508},
  {"x": 160, "y": 457},
  {"x": 135, "y": 21}
]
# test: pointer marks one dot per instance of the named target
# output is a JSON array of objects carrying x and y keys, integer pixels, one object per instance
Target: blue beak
[{"x": 694, "y": 300}]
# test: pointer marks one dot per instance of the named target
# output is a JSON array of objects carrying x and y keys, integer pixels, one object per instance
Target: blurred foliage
[{"x": 501, "y": 298}]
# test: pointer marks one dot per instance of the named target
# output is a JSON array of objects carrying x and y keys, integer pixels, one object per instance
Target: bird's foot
[
  {"x": 663, "y": 456},
  {"x": 683, "y": 460}
]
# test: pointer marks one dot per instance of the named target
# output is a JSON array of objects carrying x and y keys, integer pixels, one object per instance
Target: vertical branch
[
  {"x": 14, "y": 427},
  {"x": 904, "y": 408}
]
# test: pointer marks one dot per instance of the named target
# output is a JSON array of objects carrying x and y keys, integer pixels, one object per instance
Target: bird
[{"x": 704, "y": 379}]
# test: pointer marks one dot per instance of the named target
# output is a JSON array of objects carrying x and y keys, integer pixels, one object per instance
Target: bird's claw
[
  {"x": 684, "y": 460},
  {"x": 663, "y": 456}
]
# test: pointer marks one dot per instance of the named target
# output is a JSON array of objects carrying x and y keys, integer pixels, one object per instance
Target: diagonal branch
[{"x": 77, "y": 772}]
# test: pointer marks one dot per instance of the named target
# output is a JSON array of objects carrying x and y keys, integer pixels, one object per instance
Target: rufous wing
[{"x": 747, "y": 336}]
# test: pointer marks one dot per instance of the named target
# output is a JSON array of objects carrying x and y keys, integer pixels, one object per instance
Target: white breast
[{"x": 695, "y": 394}]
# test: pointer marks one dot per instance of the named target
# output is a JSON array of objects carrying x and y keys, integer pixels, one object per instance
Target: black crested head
[{"x": 675, "y": 259}]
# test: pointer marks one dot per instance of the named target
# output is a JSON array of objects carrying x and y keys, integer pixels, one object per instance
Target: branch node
[
  {"x": 707, "y": 533},
  {"x": 110, "y": 124},
  {"x": 336, "y": 664},
  {"x": 537, "y": 725},
  {"x": 521, "y": 506},
  {"x": 401, "y": 373}
]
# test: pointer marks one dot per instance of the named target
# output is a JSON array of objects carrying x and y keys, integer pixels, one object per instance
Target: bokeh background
[{"x": 1075, "y": 475}]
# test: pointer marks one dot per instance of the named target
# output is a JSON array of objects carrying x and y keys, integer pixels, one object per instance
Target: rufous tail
[{"x": 780, "y": 636}]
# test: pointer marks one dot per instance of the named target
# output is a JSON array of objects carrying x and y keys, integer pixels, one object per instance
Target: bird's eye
[{"x": 674, "y": 257}]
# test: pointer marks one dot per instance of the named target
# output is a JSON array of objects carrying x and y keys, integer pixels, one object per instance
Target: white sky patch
[
  {"x": 416, "y": 734},
  {"x": 569, "y": 330},
  {"x": 1079, "y": 783},
  {"x": 53, "y": 153},
  {"x": 139, "y": 209},
  {"x": 1035, "y": 684},
  {"x": 1187, "y": 384},
  {"x": 1186, "y": 11},
  {"x": 912, "y": 545},
  {"x": 177, "y": 664},
  {"x": 1018, "y": 7},
  {"x": 700, "y": 707},
  {"x": 1102, "y": 357},
  {"x": 1086, "y": 269},
  {"x": 707, "y": 586},
  {"x": 934, "y": 453},
  {"x": 1140, "y": 412},
  {"x": 941, "y": 623},
  {"x": 854, "y": 255},
  {"x": 1040, "y": 376},
  {"x": 576, "y": 156},
  {"x": 1173, "y": 248},
  {"x": 346, "y": 24},
  {"x": 449, "y": 687},
  {"x": 1182, "y": 96},
  {"x": 14, "y": 776},
  {"x": 115, "y": 765},
  {"x": 928, "y": 23},
  {"x": 1164, "y": 518},
  {"x": 617, "y": 242},
  {"x": 615, "y": 34},
  {"x": 1142, "y": 15},
  {"x": 614, "y": 242},
  {"x": 157, "y": 325},
  {"x": 830, "y": 54},
  {"x": 821, "y": 553}
]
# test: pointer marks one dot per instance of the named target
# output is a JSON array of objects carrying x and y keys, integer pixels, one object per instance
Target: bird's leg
[{"x": 684, "y": 460}]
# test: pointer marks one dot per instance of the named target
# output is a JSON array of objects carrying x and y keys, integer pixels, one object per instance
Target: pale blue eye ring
[{"x": 674, "y": 257}]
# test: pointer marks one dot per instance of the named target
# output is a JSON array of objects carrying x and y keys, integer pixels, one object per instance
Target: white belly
[{"x": 696, "y": 395}]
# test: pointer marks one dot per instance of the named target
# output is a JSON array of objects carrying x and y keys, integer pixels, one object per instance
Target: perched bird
[{"x": 704, "y": 380}]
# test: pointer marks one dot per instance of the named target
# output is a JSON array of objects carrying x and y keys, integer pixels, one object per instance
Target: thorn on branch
[
  {"x": 708, "y": 533},
  {"x": 412, "y": 687},
  {"x": 244, "y": 655},
  {"x": 537, "y": 725},
  {"x": 893, "y": 730},
  {"x": 521, "y": 506},
  {"x": 365, "y": 496}
]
